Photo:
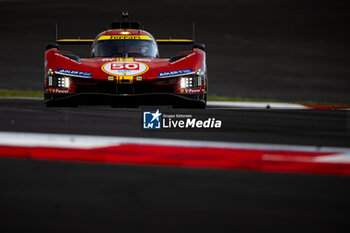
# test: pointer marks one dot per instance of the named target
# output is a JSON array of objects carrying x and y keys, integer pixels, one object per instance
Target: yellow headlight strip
[{"x": 111, "y": 37}]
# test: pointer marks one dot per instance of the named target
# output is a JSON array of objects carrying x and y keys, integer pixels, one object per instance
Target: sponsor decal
[
  {"x": 158, "y": 120},
  {"x": 174, "y": 73},
  {"x": 190, "y": 91},
  {"x": 143, "y": 59},
  {"x": 82, "y": 74},
  {"x": 122, "y": 37},
  {"x": 125, "y": 68},
  {"x": 58, "y": 91},
  {"x": 151, "y": 120}
]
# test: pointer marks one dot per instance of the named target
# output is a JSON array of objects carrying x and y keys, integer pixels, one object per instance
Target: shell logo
[{"x": 125, "y": 68}]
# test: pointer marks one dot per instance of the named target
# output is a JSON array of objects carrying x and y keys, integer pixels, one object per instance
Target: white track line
[
  {"x": 338, "y": 158},
  {"x": 237, "y": 104},
  {"x": 88, "y": 142}
]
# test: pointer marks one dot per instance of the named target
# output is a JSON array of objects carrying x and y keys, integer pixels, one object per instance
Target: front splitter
[{"x": 135, "y": 100}]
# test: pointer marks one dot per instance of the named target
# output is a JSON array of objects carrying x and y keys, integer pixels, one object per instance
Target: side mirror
[
  {"x": 199, "y": 46},
  {"x": 52, "y": 45}
]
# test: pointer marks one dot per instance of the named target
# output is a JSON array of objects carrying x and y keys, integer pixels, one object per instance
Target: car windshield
[{"x": 125, "y": 48}]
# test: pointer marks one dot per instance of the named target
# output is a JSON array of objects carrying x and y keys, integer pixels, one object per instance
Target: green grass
[
  {"x": 40, "y": 94},
  {"x": 17, "y": 93}
]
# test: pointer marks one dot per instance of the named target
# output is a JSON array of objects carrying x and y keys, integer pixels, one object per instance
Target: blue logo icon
[
  {"x": 151, "y": 120},
  {"x": 174, "y": 73}
]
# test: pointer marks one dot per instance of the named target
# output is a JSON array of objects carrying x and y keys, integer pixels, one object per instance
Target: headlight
[
  {"x": 186, "y": 82},
  {"x": 55, "y": 80},
  {"x": 199, "y": 81},
  {"x": 50, "y": 72},
  {"x": 63, "y": 82},
  {"x": 191, "y": 81},
  {"x": 50, "y": 80},
  {"x": 200, "y": 72}
]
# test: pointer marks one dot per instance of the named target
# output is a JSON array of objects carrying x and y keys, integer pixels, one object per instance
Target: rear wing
[
  {"x": 126, "y": 24},
  {"x": 159, "y": 41}
]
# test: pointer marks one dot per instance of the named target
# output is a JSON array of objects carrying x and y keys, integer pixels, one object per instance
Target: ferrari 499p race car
[{"x": 125, "y": 70}]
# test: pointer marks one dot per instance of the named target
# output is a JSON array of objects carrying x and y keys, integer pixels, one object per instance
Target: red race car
[{"x": 125, "y": 70}]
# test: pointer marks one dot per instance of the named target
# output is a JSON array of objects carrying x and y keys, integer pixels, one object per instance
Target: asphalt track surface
[
  {"x": 293, "y": 127},
  {"x": 40, "y": 196},
  {"x": 43, "y": 196}
]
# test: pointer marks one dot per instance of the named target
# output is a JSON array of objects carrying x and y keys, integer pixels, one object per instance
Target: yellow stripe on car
[
  {"x": 128, "y": 59},
  {"x": 113, "y": 37},
  {"x": 124, "y": 79},
  {"x": 75, "y": 40}
]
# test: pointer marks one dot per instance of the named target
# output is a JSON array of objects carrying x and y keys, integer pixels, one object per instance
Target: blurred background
[{"x": 292, "y": 50}]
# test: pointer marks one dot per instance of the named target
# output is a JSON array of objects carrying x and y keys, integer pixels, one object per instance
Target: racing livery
[{"x": 125, "y": 70}]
